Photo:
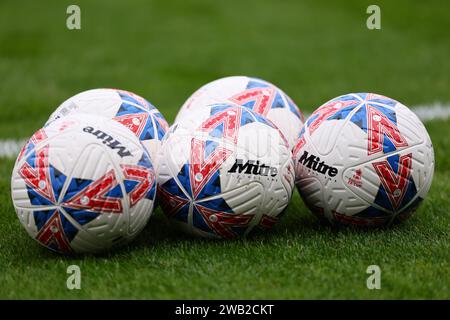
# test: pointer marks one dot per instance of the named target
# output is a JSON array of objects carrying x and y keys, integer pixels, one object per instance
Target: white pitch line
[
  {"x": 435, "y": 111},
  {"x": 10, "y": 148}
]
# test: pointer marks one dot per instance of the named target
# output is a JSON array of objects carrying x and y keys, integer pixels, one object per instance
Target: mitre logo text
[
  {"x": 253, "y": 167},
  {"x": 312, "y": 162},
  {"x": 109, "y": 141}
]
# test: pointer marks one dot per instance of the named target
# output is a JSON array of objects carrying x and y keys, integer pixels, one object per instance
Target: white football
[
  {"x": 363, "y": 159},
  {"x": 258, "y": 95},
  {"x": 83, "y": 184},
  {"x": 232, "y": 173},
  {"x": 127, "y": 108}
]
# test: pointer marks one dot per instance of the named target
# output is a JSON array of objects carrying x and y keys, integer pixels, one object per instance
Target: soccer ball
[
  {"x": 363, "y": 159},
  {"x": 127, "y": 108},
  {"x": 229, "y": 175},
  {"x": 258, "y": 95},
  {"x": 83, "y": 184}
]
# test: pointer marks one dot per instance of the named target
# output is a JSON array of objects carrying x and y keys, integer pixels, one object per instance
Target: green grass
[{"x": 164, "y": 51}]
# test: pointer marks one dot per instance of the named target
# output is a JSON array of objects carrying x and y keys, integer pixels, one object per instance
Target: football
[
  {"x": 363, "y": 159},
  {"x": 230, "y": 174},
  {"x": 258, "y": 95},
  {"x": 83, "y": 184},
  {"x": 127, "y": 108}
]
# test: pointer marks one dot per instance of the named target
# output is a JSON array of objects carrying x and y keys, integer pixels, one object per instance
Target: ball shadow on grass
[{"x": 295, "y": 222}]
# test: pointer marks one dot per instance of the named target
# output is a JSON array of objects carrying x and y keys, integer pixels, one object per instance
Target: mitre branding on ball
[
  {"x": 127, "y": 108},
  {"x": 363, "y": 159},
  {"x": 229, "y": 174},
  {"x": 83, "y": 183},
  {"x": 258, "y": 95},
  {"x": 109, "y": 141},
  {"x": 312, "y": 162},
  {"x": 252, "y": 167}
]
